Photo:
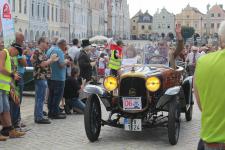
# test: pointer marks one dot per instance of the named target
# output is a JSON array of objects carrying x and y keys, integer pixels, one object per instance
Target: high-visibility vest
[
  {"x": 6, "y": 80},
  {"x": 114, "y": 63}
]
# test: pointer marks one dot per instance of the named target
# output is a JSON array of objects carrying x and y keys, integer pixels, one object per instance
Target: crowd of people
[{"x": 62, "y": 71}]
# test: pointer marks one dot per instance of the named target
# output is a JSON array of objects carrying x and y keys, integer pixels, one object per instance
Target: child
[
  {"x": 101, "y": 65},
  {"x": 73, "y": 87}
]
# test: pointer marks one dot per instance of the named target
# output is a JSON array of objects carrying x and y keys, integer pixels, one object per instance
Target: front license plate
[
  {"x": 132, "y": 103},
  {"x": 132, "y": 124}
]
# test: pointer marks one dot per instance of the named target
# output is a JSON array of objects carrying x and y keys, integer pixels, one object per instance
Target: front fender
[
  {"x": 93, "y": 89},
  {"x": 173, "y": 91}
]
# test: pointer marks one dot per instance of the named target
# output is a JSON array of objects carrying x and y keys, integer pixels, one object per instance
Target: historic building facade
[
  {"x": 192, "y": 17},
  {"x": 141, "y": 26},
  {"x": 211, "y": 22},
  {"x": 164, "y": 22}
]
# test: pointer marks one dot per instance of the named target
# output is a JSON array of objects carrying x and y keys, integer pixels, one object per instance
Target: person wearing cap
[
  {"x": 84, "y": 61},
  {"x": 115, "y": 60},
  {"x": 6, "y": 78},
  {"x": 209, "y": 85},
  {"x": 191, "y": 59}
]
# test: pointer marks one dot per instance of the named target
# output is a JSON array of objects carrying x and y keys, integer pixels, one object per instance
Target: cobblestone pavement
[{"x": 69, "y": 134}]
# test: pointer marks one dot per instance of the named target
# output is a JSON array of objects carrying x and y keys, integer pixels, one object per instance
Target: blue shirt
[
  {"x": 58, "y": 73},
  {"x": 20, "y": 68}
]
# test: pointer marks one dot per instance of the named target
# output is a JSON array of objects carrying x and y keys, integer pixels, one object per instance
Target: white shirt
[
  {"x": 203, "y": 53},
  {"x": 73, "y": 51},
  {"x": 190, "y": 57}
]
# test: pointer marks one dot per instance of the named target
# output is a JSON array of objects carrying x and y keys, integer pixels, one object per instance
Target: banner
[{"x": 7, "y": 23}]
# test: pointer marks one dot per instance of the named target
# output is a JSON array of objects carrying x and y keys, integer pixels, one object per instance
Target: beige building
[
  {"x": 215, "y": 15},
  {"x": 141, "y": 26},
  {"x": 191, "y": 17}
]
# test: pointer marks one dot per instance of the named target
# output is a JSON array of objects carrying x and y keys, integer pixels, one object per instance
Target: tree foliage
[{"x": 187, "y": 32}]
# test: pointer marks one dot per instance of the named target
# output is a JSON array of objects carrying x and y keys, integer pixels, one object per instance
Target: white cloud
[{"x": 174, "y": 6}]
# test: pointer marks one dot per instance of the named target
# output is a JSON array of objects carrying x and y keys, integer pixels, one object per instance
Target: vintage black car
[{"x": 142, "y": 96}]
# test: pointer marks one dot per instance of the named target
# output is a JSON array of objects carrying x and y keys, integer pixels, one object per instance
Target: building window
[
  {"x": 44, "y": 11},
  {"x": 134, "y": 28},
  {"x": 205, "y": 25},
  {"x": 168, "y": 26},
  {"x": 196, "y": 25},
  {"x": 56, "y": 14},
  {"x": 48, "y": 12},
  {"x": 159, "y": 26},
  {"x": 142, "y": 27},
  {"x": 163, "y": 17},
  {"x": 212, "y": 15},
  {"x": 150, "y": 27},
  {"x": 212, "y": 25},
  {"x": 13, "y": 5},
  {"x": 20, "y": 6},
  {"x": 32, "y": 9},
  {"x": 52, "y": 13},
  {"x": 218, "y": 25},
  {"x": 188, "y": 16},
  {"x": 133, "y": 20},
  {"x": 38, "y": 10},
  {"x": 25, "y": 6},
  {"x": 219, "y": 15}
]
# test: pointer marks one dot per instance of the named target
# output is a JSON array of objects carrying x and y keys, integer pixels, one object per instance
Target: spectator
[
  {"x": 41, "y": 74},
  {"x": 57, "y": 82},
  {"x": 74, "y": 51},
  {"x": 84, "y": 61},
  {"x": 191, "y": 60},
  {"x": 209, "y": 85},
  {"x": 6, "y": 76},
  {"x": 101, "y": 65},
  {"x": 73, "y": 87},
  {"x": 20, "y": 64}
]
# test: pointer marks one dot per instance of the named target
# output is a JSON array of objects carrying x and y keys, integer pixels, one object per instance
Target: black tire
[
  {"x": 188, "y": 114},
  {"x": 92, "y": 118},
  {"x": 174, "y": 121}
]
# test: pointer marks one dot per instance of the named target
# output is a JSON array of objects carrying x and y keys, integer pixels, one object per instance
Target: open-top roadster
[{"x": 142, "y": 96}]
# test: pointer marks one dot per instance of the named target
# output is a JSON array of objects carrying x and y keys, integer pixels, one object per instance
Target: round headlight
[
  {"x": 153, "y": 84},
  {"x": 110, "y": 83}
]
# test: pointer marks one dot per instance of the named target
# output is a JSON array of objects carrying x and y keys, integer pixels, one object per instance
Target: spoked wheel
[
  {"x": 92, "y": 118},
  {"x": 174, "y": 121}
]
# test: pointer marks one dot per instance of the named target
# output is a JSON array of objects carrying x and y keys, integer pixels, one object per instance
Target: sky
[{"x": 174, "y": 6}]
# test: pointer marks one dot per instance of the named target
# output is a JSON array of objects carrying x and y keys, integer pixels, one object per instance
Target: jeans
[
  {"x": 75, "y": 103},
  {"x": 4, "y": 102},
  {"x": 56, "y": 90},
  {"x": 40, "y": 90}
]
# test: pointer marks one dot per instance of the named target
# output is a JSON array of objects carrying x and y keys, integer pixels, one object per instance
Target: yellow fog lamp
[
  {"x": 153, "y": 84},
  {"x": 110, "y": 83}
]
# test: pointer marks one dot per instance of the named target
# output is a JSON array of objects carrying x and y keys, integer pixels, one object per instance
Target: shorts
[{"x": 4, "y": 102}]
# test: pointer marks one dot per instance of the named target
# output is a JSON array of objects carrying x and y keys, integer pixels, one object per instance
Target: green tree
[{"x": 187, "y": 32}]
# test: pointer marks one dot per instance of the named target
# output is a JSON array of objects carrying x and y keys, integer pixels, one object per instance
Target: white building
[
  {"x": 163, "y": 22},
  {"x": 20, "y": 12},
  {"x": 38, "y": 22}
]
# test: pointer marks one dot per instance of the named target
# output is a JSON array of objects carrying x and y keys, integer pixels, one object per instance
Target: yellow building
[
  {"x": 141, "y": 26},
  {"x": 191, "y": 17}
]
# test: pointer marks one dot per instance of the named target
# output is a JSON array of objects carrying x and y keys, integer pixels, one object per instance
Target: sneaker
[
  {"x": 16, "y": 134},
  {"x": 3, "y": 138},
  {"x": 43, "y": 121},
  {"x": 59, "y": 116},
  {"x": 45, "y": 113}
]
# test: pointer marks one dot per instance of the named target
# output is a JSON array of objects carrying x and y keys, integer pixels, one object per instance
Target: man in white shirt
[
  {"x": 74, "y": 51},
  {"x": 191, "y": 59}
]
